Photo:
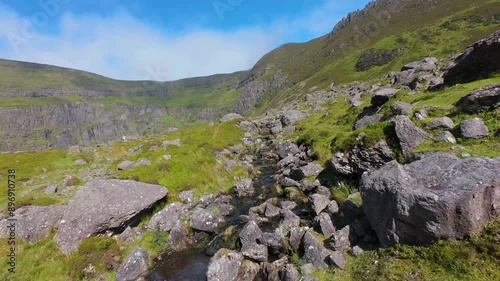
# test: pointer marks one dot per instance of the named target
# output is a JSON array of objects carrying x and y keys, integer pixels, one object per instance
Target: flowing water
[{"x": 192, "y": 265}]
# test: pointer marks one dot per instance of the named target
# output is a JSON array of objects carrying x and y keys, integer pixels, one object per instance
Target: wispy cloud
[{"x": 122, "y": 47}]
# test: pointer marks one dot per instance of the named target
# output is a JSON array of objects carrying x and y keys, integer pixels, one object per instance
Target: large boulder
[
  {"x": 437, "y": 197},
  {"x": 104, "y": 205},
  {"x": 224, "y": 266},
  {"x": 135, "y": 266},
  {"x": 409, "y": 134},
  {"x": 484, "y": 99},
  {"x": 230, "y": 117},
  {"x": 479, "y": 60},
  {"x": 33, "y": 223},
  {"x": 426, "y": 65}
]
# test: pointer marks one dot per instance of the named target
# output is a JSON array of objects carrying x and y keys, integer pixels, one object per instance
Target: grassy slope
[
  {"x": 444, "y": 33},
  {"x": 193, "y": 165}
]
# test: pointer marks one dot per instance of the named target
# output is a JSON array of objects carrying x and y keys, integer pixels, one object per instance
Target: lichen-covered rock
[
  {"x": 442, "y": 123},
  {"x": 206, "y": 220},
  {"x": 135, "y": 266},
  {"x": 437, "y": 197},
  {"x": 165, "y": 219},
  {"x": 33, "y": 223},
  {"x": 244, "y": 188},
  {"x": 104, "y": 205},
  {"x": 224, "y": 266},
  {"x": 314, "y": 250}
]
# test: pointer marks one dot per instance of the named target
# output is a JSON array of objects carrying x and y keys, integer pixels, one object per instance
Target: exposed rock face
[
  {"x": 480, "y": 59},
  {"x": 473, "y": 129},
  {"x": 361, "y": 159},
  {"x": 484, "y": 99},
  {"x": 409, "y": 134},
  {"x": 104, "y": 205},
  {"x": 437, "y": 197},
  {"x": 374, "y": 57},
  {"x": 34, "y": 222},
  {"x": 135, "y": 266},
  {"x": 224, "y": 266}
]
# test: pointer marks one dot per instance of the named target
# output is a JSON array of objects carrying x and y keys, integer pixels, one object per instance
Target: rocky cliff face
[{"x": 63, "y": 125}]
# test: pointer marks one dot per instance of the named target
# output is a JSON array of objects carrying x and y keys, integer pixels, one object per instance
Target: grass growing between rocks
[
  {"x": 476, "y": 258},
  {"x": 193, "y": 164}
]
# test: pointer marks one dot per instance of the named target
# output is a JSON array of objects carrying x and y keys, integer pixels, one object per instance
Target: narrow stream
[{"x": 192, "y": 265}]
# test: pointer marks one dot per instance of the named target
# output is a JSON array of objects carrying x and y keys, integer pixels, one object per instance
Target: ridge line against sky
[{"x": 160, "y": 40}]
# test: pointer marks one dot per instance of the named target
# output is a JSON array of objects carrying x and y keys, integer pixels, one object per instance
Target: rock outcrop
[
  {"x": 105, "y": 205},
  {"x": 437, "y": 197},
  {"x": 479, "y": 60}
]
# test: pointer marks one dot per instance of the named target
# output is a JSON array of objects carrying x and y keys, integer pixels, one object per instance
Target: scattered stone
[
  {"x": 165, "y": 219},
  {"x": 332, "y": 207},
  {"x": 176, "y": 142},
  {"x": 368, "y": 120},
  {"x": 421, "y": 114},
  {"x": 135, "y": 267},
  {"x": 307, "y": 269},
  {"x": 437, "y": 197},
  {"x": 296, "y": 195},
  {"x": 206, "y": 220},
  {"x": 326, "y": 224},
  {"x": 244, "y": 188},
  {"x": 473, "y": 129},
  {"x": 288, "y": 205},
  {"x": 248, "y": 271},
  {"x": 105, "y": 205},
  {"x": 383, "y": 96},
  {"x": 178, "y": 235},
  {"x": 340, "y": 239},
  {"x": 338, "y": 259},
  {"x": 442, "y": 123},
  {"x": 311, "y": 170},
  {"x": 51, "y": 189},
  {"x": 80, "y": 162},
  {"x": 401, "y": 108},
  {"x": 289, "y": 117},
  {"x": 250, "y": 237},
  {"x": 319, "y": 202},
  {"x": 409, "y": 134},
  {"x": 272, "y": 211},
  {"x": 356, "y": 251},
  {"x": 296, "y": 234},
  {"x": 290, "y": 273},
  {"x": 289, "y": 220},
  {"x": 125, "y": 165},
  {"x": 447, "y": 137},
  {"x": 187, "y": 196},
  {"x": 314, "y": 251},
  {"x": 484, "y": 99},
  {"x": 249, "y": 127},
  {"x": 224, "y": 265}
]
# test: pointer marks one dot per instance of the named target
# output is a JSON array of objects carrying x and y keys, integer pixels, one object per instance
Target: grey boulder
[
  {"x": 484, "y": 99},
  {"x": 473, "y": 129},
  {"x": 104, "y": 205},
  {"x": 224, "y": 266},
  {"x": 409, "y": 135},
  {"x": 437, "y": 197}
]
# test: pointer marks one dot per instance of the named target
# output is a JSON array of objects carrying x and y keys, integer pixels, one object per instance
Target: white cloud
[{"x": 123, "y": 47}]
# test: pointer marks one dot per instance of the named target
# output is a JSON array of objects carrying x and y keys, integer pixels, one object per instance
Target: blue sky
[{"x": 160, "y": 40}]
